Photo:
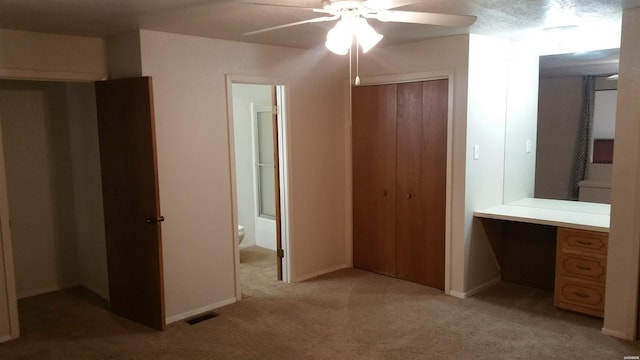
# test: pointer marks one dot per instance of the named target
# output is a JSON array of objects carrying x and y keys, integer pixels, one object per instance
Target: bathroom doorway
[{"x": 258, "y": 146}]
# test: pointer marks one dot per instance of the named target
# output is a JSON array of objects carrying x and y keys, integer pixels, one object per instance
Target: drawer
[
  {"x": 582, "y": 240},
  {"x": 583, "y": 297},
  {"x": 585, "y": 267}
]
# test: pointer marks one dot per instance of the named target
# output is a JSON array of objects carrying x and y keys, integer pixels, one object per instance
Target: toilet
[{"x": 240, "y": 234}]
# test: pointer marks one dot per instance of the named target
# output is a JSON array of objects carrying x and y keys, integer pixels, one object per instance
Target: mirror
[{"x": 559, "y": 125}]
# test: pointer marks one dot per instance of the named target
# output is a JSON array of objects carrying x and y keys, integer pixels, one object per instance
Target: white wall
[
  {"x": 486, "y": 121},
  {"x": 87, "y": 187},
  {"x": 621, "y": 303},
  {"x": 243, "y": 96},
  {"x": 123, "y": 55},
  {"x": 39, "y": 56},
  {"x": 39, "y": 179},
  {"x": 521, "y": 128},
  {"x": 441, "y": 55},
  {"x": 194, "y": 163}
]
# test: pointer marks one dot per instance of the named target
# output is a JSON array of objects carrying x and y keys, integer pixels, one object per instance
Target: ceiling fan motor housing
[{"x": 340, "y": 5}]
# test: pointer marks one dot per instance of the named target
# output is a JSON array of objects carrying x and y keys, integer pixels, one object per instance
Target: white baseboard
[
  {"x": 464, "y": 295},
  {"x": 618, "y": 334},
  {"x": 194, "y": 312},
  {"x": 318, "y": 273}
]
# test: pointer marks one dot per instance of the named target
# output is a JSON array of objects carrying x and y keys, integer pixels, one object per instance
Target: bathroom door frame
[{"x": 279, "y": 95}]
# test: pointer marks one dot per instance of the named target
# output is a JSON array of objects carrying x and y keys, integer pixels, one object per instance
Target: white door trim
[{"x": 285, "y": 177}]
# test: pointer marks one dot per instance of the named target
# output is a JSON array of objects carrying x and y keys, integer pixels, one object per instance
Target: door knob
[
  {"x": 408, "y": 196},
  {"x": 383, "y": 192},
  {"x": 154, "y": 220}
]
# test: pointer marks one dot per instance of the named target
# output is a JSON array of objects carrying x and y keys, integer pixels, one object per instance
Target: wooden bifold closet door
[{"x": 399, "y": 179}]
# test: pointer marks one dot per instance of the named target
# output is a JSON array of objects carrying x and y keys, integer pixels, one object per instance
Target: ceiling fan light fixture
[
  {"x": 366, "y": 35},
  {"x": 340, "y": 38}
]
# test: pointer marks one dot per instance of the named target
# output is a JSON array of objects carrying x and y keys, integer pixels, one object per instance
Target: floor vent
[{"x": 200, "y": 318}]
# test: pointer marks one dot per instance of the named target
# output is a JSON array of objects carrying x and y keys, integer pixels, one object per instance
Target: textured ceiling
[
  {"x": 598, "y": 62},
  {"x": 230, "y": 19}
]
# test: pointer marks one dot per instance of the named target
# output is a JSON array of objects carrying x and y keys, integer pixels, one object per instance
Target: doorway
[
  {"x": 259, "y": 186},
  {"x": 54, "y": 196},
  {"x": 52, "y": 165}
]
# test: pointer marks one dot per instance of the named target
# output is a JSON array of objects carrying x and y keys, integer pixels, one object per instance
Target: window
[{"x": 265, "y": 169}]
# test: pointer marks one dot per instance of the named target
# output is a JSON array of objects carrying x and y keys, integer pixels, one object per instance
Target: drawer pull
[
  {"x": 582, "y": 295},
  {"x": 586, "y": 268},
  {"x": 582, "y": 242}
]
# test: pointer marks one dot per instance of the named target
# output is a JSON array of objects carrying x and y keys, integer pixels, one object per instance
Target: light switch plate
[
  {"x": 476, "y": 152},
  {"x": 528, "y": 146}
]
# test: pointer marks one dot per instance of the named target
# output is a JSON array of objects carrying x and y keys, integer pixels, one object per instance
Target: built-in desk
[
  {"x": 553, "y": 244},
  {"x": 560, "y": 213}
]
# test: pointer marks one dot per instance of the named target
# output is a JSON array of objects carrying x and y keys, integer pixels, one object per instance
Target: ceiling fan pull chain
[
  {"x": 357, "y": 63},
  {"x": 350, "y": 65}
]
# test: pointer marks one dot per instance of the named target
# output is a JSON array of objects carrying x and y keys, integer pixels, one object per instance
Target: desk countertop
[{"x": 570, "y": 214}]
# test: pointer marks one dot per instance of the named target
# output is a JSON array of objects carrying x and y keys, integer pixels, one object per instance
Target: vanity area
[
  {"x": 557, "y": 245},
  {"x": 551, "y": 230}
]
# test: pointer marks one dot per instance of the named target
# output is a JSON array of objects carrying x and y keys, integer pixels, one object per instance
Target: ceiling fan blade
[
  {"x": 424, "y": 18},
  {"x": 314, "y": 20},
  {"x": 250, "y": 2},
  {"x": 387, "y": 4}
]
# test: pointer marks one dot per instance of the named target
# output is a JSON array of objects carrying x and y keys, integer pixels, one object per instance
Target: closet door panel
[
  {"x": 374, "y": 155},
  {"x": 433, "y": 178},
  {"x": 409, "y": 227}
]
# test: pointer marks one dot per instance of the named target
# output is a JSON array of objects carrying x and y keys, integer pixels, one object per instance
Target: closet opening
[
  {"x": 401, "y": 179},
  {"x": 54, "y": 194}
]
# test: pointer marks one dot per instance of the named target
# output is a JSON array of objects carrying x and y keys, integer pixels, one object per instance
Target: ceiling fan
[{"x": 352, "y": 18}]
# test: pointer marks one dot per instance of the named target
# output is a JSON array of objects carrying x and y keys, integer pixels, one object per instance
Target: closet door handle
[
  {"x": 383, "y": 192},
  {"x": 408, "y": 196}
]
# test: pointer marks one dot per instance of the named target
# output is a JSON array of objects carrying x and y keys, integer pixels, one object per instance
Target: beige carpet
[{"x": 348, "y": 314}]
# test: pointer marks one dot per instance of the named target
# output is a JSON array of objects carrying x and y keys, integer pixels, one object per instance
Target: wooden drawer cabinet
[
  {"x": 582, "y": 297},
  {"x": 581, "y": 270},
  {"x": 583, "y": 267},
  {"x": 589, "y": 242}
]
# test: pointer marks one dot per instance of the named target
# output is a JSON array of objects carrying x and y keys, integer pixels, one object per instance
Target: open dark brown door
[{"x": 131, "y": 201}]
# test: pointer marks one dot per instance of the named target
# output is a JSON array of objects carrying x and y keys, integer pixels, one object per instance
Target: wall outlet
[{"x": 476, "y": 152}]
